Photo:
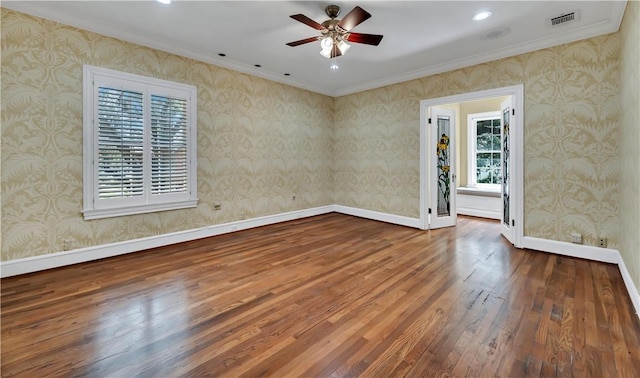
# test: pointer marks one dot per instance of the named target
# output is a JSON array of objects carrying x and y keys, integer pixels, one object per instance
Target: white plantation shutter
[
  {"x": 120, "y": 143},
  {"x": 169, "y": 158},
  {"x": 139, "y": 144}
]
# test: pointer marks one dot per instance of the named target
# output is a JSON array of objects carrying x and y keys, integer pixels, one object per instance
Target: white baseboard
[
  {"x": 570, "y": 249},
  {"x": 59, "y": 259},
  {"x": 631, "y": 287},
  {"x": 375, "y": 215}
]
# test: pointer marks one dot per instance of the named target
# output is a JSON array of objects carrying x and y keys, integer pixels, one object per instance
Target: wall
[
  {"x": 630, "y": 140},
  {"x": 478, "y": 205},
  {"x": 572, "y": 117},
  {"x": 258, "y": 141},
  {"x": 377, "y": 149}
]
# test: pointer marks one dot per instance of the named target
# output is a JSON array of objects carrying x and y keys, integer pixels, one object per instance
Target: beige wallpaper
[
  {"x": 630, "y": 140},
  {"x": 377, "y": 149},
  {"x": 258, "y": 141},
  {"x": 571, "y": 138}
]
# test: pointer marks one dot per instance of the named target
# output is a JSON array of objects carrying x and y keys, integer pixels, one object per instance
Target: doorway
[{"x": 437, "y": 120}]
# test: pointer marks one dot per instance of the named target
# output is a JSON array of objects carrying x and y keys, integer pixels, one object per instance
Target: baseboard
[
  {"x": 631, "y": 287},
  {"x": 375, "y": 215},
  {"x": 59, "y": 259},
  {"x": 570, "y": 249},
  {"x": 478, "y": 213}
]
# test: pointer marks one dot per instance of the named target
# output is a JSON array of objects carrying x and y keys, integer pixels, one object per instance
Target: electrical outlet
[
  {"x": 576, "y": 238},
  {"x": 603, "y": 243},
  {"x": 66, "y": 245},
  {"x": 242, "y": 216}
]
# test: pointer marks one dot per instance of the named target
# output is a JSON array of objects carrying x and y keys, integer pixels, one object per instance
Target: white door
[
  {"x": 506, "y": 184},
  {"x": 442, "y": 187}
]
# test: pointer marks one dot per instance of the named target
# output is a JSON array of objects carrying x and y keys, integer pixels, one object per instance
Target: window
[
  {"x": 484, "y": 150},
  {"x": 139, "y": 144}
]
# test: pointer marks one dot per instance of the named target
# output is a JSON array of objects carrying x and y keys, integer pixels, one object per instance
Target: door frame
[{"x": 517, "y": 91}]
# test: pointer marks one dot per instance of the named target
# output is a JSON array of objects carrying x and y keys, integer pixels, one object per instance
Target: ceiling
[{"x": 420, "y": 37}]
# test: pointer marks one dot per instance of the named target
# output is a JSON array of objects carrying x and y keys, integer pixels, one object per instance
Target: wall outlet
[
  {"x": 602, "y": 243},
  {"x": 66, "y": 245},
  {"x": 576, "y": 238}
]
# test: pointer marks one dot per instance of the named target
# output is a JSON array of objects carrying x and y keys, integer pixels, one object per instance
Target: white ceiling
[{"x": 420, "y": 37}]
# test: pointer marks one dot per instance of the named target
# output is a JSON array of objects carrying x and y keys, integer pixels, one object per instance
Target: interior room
[{"x": 249, "y": 188}]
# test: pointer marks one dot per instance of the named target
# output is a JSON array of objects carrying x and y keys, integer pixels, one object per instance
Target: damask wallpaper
[
  {"x": 572, "y": 117},
  {"x": 630, "y": 140},
  {"x": 258, "y": 141}
]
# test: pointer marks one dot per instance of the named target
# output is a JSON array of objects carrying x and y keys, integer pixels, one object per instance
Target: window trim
[
  {"x": 472, "y": 153},
  {"x": 93, "y": 208}
]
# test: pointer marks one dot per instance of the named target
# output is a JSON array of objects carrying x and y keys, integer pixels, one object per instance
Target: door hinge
[
  {"x": 513, "y": 223},
  {"x": 513, "y": 111},
  {"x": 429, "y": 210},
  {"x": 429, "y": 120}
]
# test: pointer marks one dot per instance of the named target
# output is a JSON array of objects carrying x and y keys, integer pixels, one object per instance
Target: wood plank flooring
[{"x": 328, "y": 296}]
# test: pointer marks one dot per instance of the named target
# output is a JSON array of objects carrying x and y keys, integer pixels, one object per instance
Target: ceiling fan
[{"x": 335, "y": 34}]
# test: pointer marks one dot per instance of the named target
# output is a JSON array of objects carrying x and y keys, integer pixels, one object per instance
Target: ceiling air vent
[{"x": 563, "y": 19}]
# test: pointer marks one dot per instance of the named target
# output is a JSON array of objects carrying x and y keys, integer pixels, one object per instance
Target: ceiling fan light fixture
[
  {"x": 326, "y": 43},
  {"x": 326, "y": 53},
  {"x": 343, "y": 46}
]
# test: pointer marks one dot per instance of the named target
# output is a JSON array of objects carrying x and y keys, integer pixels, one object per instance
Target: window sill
[
  {"x": 90, "y": 214},
  {"x": 480, "y": 192}
]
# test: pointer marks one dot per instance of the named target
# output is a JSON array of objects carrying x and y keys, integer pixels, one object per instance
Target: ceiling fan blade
[
  {"x": 302, "y": 41},
  {"x": 307, "y": 21},
  {"x": 353, "y": 18},
  {"x": 369, "y": 39}
]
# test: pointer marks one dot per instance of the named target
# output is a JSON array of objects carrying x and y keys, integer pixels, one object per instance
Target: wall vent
[{"x": 563, "y": 19}]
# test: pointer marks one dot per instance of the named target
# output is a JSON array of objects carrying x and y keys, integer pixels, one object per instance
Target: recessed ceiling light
[
  {"x": 481, "y": 15},
  {"x": 165, "y": 2}
]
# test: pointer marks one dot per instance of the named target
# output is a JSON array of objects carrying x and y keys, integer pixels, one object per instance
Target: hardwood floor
[{"x": 328, "y": 296}]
